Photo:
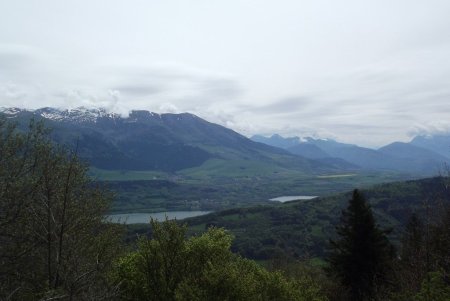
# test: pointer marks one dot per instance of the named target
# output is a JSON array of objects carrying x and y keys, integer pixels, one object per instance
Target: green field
[
  {"x": 127, "y": 175},
  {"x": 138, "y": 191},
  {"x": 337, "y": 176}
]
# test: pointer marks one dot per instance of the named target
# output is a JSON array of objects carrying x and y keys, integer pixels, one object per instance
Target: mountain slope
[
  {"x": 308, "y": 150},
  {"x": 364, "y": 157},
  {"x": 166, "y": 142},
  {"x": 402, "y": 157},
  {"x": 277, "y": 141},
  {"x": 328, "y": 148},
  {"x": 436, "y": 143},
  {"x": 419, "y": 157}
]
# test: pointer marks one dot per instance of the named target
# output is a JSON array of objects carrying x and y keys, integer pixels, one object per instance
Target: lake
[
  {"x": 288, "y": 198},
  {"x": 139, "y": 218}
]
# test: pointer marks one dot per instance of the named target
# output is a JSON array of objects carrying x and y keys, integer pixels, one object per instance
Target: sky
[{"x": 368, "y": 72}]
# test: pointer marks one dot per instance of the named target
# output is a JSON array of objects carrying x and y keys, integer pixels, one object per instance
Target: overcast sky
[{"x": 361, "y": 71}]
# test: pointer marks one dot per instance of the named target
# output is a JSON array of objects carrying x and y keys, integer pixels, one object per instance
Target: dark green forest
[
  {"x": 301, "y": 229},
  {"x": 57, "y": 244}
]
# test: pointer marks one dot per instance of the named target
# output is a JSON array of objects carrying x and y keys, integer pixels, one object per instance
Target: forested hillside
[{"x": 301, "y": 229}]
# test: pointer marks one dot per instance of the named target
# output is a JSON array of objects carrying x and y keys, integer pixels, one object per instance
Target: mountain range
[
  {"x": 423, "y": 155},
  {"x": 145, "y": 141},
  {"x": 171, "y": 143}
]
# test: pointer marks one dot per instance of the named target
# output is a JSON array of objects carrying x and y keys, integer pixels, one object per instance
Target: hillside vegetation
[
  {"x": 301, "y": 229},
  {"x": 173, "y": 194}
]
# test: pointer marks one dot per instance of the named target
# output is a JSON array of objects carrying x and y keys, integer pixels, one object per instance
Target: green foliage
[
  {"x": 440, "y": 241},
  {"x": 301, "y": 229},
  {"x": 435, "y": 288},
  {"x": 311, "y": 279},
  {"x": 424, "y": 265},
  {"x": 412, "y": 266},
  {"x": 362, "y": 256},
  {"x": 156, "y": 269},
  {"x": 413, "y": 240},
  {"x": 54, "y": 242},
  {"x": 170, "y": 267}
]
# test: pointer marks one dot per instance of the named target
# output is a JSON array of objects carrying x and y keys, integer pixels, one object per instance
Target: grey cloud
[
  {"x": 286, "y": 105},
  {"x": 221, "y": 87},
  {"x": 179, "y": 85},
  {"x": 140, "y": 90},
  {"x": 430, "y": 128},
  {"x": 12, "y": 60},
  {"x": 10, "y": 91},
  {"x": 17, "y": 62},
  {"x": 375, "y": 76},
  {"x": 150, "y": 72}
]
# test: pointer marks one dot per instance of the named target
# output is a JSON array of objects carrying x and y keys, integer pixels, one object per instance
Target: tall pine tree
[{"x": 361, "y": 257}]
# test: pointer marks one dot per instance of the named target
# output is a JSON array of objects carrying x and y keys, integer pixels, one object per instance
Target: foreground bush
[{"x": 170, "y": 267}]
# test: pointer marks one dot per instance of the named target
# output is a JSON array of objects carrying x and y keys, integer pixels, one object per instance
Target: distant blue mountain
[
  {"x": 436, "y": 143},
  {"x": 277, "y": 141},
  {"x": 308, "y": 150},
  {"x": 403, "y": 157},
  {"x": 415, "y": 156}
]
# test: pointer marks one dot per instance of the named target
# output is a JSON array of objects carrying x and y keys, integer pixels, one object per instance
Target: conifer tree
[{"x": 361, "y": 257}]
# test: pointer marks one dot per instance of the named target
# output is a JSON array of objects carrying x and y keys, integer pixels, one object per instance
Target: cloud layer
[{"x": 365, "y": 73}]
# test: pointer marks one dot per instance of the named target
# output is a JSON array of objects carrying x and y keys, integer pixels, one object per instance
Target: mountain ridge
[
  {"x": 414, "y": 157},
  {"x": 168, "y": 142},
  {"x": 171, "y": 142}
]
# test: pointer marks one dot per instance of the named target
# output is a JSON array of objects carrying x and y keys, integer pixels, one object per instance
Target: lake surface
[
  {"x": 139, "y": 218},
  {"x": 288, "y": 198}
]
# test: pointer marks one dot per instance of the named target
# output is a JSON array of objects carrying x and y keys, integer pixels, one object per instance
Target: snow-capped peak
[
  {"x": 11, "y": 112},
  {"x": 80, "y": 114}
]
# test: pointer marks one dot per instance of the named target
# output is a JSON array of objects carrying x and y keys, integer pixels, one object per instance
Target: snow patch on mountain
[
  {"x": 77, "y": 115},
  {"x": 11, "y": 112},
  {"x": 80, "y": 114}
]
